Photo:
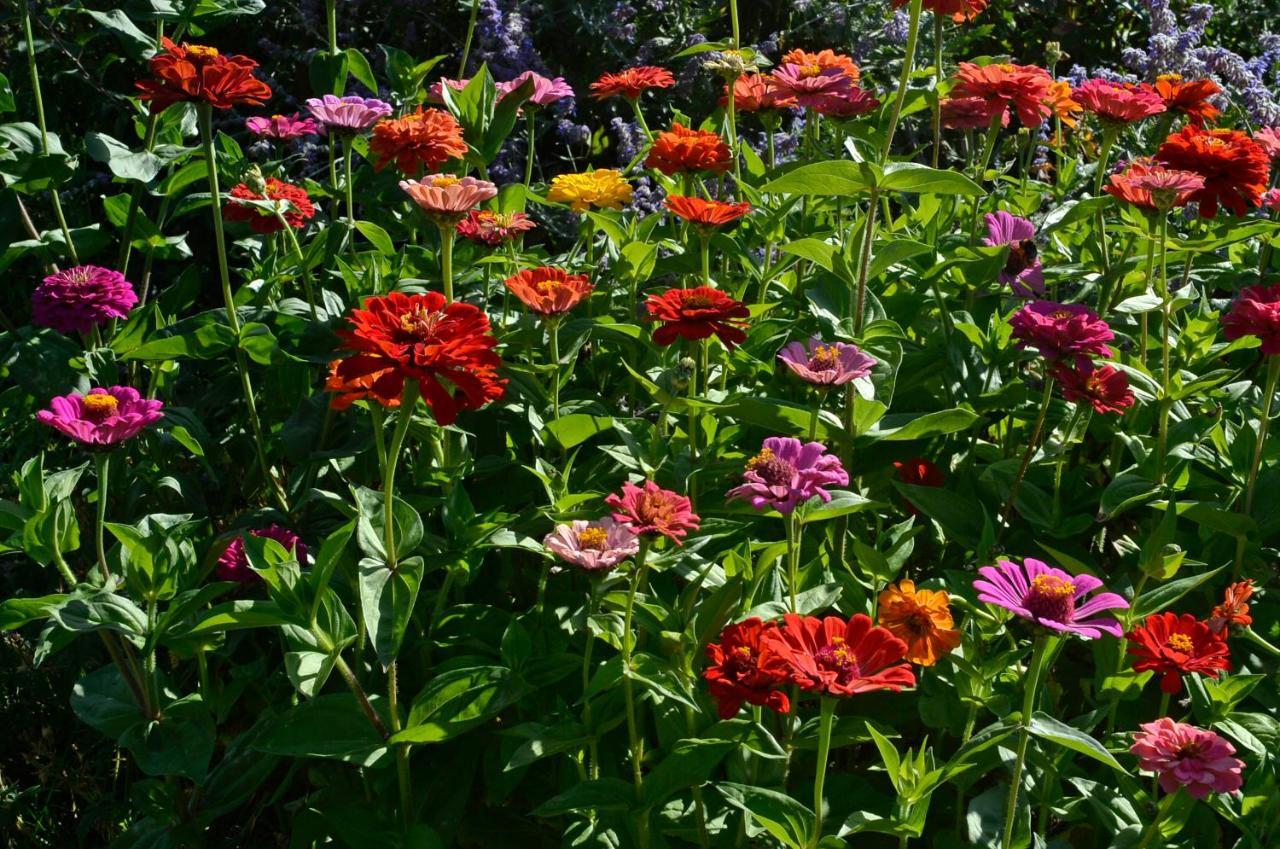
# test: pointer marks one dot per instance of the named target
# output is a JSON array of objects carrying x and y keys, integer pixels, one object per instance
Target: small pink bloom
[
  {"x": 787, "y": 473},
  {"x": 282, "y": 127},
  {"x": 76, "y": 300},
  {"x": 103, "y": 417},
  {"x": 446, "y": 198},
  {"x": 654, "y": 511},
  {"x": 494, "y": 228},
  {"x": 435, "y": 91},
  {"x": 1271, "y": 200},
  {"x": 1255, "y": 312},
  {"x": 1269, "y": 139},
  {"x": 546, "y": 91},
  {"x": 1059, "y": 331},
  {"x": 1022, "y": 272},
  {"x": 593, "y": 546},
  {"x": 233, "y": 565},
  {"x": 351, "y": 114},
  {"x": 1183, "y": 755},
  {"x": 811, "y": 86},
  {"x": 826, "y": 365}
]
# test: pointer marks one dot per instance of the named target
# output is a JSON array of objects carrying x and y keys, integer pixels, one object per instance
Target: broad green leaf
[
  {"x": 836, "y": 178},
  {"x": 1047, "y": 728}
]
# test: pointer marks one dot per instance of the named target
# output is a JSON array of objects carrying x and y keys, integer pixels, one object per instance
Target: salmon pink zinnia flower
[
  {"x": 546, "y": 90},
  {"x": 549, "y": 291},
  {"x": 826, "y": 365},
  {"x": 494, "y": 228},
  {"x": 103, "y": 417},
  {"x": 810, "y": 85},
  {"x": 1050, "y": 598},
  {"x": 1151, "y": 186},
  {"x": 734, "y": 676},
  {"x": 593, "y": 546},
  {"x": 447, "y": 199},
  {"x": 76, "y": 300},
  {"x": 1118, "y": 102},
  {"x": 1183, "y": 755},
  {"x": 836, "y": 657},
  {"x": 1255, "y": 312},
  {"x": 823, "y": 60},
  {"x": 1059, "y": 331},
  {"x": 971, "y": 113},
  {"x": 696, "y": 314},
  {"x": 756, "y": 93},
  {"x": 282, "y": 127},
  {"x": 1173, "y": 645},
  {"x": 787, "y": 473},
  {"x": 1024, "y": 88},
  {"x": 653, "y": 511}
]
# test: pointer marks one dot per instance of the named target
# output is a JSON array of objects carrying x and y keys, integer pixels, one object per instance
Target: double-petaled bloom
[
  {"x": 281, "y": 127},
  {"x": 421, "y": 140},
  {"x": 196, "y": 73},
  {"x": 233, "y": 563},
  {"x": 1061, "y": 331},
  {"x": 1022, "y": 272},
  {"x": 296, "y": 211},
  {"x": 823, "y": 60},
  {"x": 548, "y": 291},
  {"x": 1187, "y": 757},
  {"x": 1051, "y": 598},
  {"x": 1234, "y": 167},
  {"x": 682, "y": 150},
  {"x": 788, "y": 473},
  {"x": 921, "y": 619},
  {"x": 1255, "y": 312},
  {"x": 959, "y": 10},
  {"x": 447, "y": 199},
  {"x": 348, "y": 115},
  {"x": 78, "y": 299},
  {"x": 1192, "y": 98},
  {"x": 1118, "y": 103},
  {"x": 734, "y": 676},
  {"x": 631, "y": 83},
  {"x": 1233, "y": 612},
  {"x": 603, "y": 188},
  {"x": 103, "y": 417},
  {"x": 832, "y": 656},
  {"x": 757, "y": 93},
  {"x": 707, "y": 215},
  {"x": 826, "y": 364},
  {"x": 1172, "y": 646},
  {"x": 486, "y": 227},
  {"x": 446, "y": 347},
  {"x": 1024, "y": 89},
  {"x": 1103, "y": 387},
  {"x": 1268, "y": 138},
  {"x": 650, "y": 510},
  {"x": 594, "y": 547},
  {"x": 697, "y": 314},
  {"x": 972, "y": 113},
  {"x": 1149, "y": 185}
]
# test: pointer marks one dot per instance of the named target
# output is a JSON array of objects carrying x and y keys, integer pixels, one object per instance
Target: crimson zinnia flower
[
  {"x": 682, "y": 150},
  {"x": 706, "y": 214},
  {"x": 1103, "y": 387},
  {"x": 425, "y": 139},
  {"x": 1024, "y": 88},
  {"x": 1234, "y": 610},
  {"x": 631, "y": 83},
  {"x": 1059, "y": 331},
  {"x": 697, "y": 314},
  {"x": 734, "y": 676},
  {"x": 654, "y": 511},
  {"x": 233, "y": 564},
  {"x": 959, "y": 10},
  {"x": 549, "y": 291},
  {"x": 835, "y": 657},
  {"x": 1190, "y": 97},
  {"x": 447, "y": 348},
  {"x": 494, "y": 228},
  {"x": 1174, "y": 645},
  {"x": 200, "y": 74},
  {"x": 1235, "y": 168},
  {"x": 1255, "y": 312},
  {"x": 297, "y": 214},
  {"x": 971, "y": 113},
  {"x": 76, "y": 300}
]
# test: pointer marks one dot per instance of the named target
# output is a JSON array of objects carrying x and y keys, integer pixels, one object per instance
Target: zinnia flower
[
  {"x": 1271, "y": 199},
  {"x": 1151, "y": 186},
  {"x": 706, "y": 214},
  {"x": 756, "y": 93},
  {"x": 348, "y": 115},
  {"x": 1235, "y": 168},
  {"x": 494, "y": 228},
  {"x": 1234, "y": 610},
  {"x": 631, "y": 83},
  {"x": 734, "y": 676},
  {"x": 1255, "y": 312},
  {"x": 546, "y": 91},
  {"x": 959, "y": 10},
  {"x": 787, "y": 473},
  {"x": 593, "y": 546},
  {"x": 282, "y": 127},
  {"x": 1183, "y": 755},
  {"x": 447, "y": 348},
  {"x": 811, "y": 86},
  {"x": 1059, "y": 331},
  {"x": 681, "y": 150},
  {"x": 76, "y": 300},
  {"x": 972, "y": 113},
  {"x": 296, "y": 214},
  {"x": 422, "y": 140},
  {"x": 653, "y": 511},
  {"x": 835, "y": 657},
  {"x": 823, "y": 60},
  {"x": 103, "y": 417},
  {"x": 233, "y": 565},
  {"x": 823, "y": 364},
  {"x": 603, "y": 188},
  {"x": 1023, "y": 88},
  {"x": 1190, "y": 97},
  {"x": 921, "y": 619},
  {"x": 1022, "y": 272},
  {"x": 917, "y": 471},
  {"x": 1105, "y": 388},
  {"x": 1268, "y": 138},
  {"x": 857, "y": 101},
  {"x": 1050, "y": 597},
  {"x": 1173, "y": 645},
  {"x": 447, "y": 199},
  {"x": 1118, "y": 102},
  {"x": 199, "y": 74},
  {"x": 549, "y": 291},
  {"x": 697, "y": 314}
]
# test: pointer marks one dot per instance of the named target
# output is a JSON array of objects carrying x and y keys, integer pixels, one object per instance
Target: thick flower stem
[
  {"x": 908, "y": 65},
  {"x": 1035, "y": 671},
  {"x": 553, "y": 331},
  {"x": 530, "y": 127},
  {"x": 1264, "y": 424},
  {"x": 1104, "y": 158},
  {"x": 349, "y": 189},
  {"x": 1165, "y": 309},
  {"x": 793, "y": 556},
  {"x": 644, "y": 125},
  {"x": 733, "y": 24},
  {"x": 34, "y": 72},
  {"x": 331, "y": 25},
  {"x": 864, "y": 263},
  {"x": 1152, "y": 831},
  {"x": 362, "y": 698},
  {"x": 447, "y": 234},
  {"x": 1036, "y": 431},
  {"x": 401, "y": 749},
  {"x": 628, "y": 646},
  {"x": 731, "y": 116},
  {"x": 937, "y": 84},
  {"x": 103, "y": 462},
  {"x": 704, "y": 245},
  {"x": 826, "y": 720},
  {"x": 591, "y": 754},
  {"x": 307, "y": 289}
]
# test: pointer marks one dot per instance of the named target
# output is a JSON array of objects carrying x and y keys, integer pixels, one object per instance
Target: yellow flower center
[
  {"x": 593, "y": 538},
  {"x": 1169, "y": 78},
  {"x": 1180, "y": 642},
  {"x": 420, "y": 322},
  {"x": 1051, "y": 586},
  {"x": 825, "y": 356},
  {"x": 445, "y": 182},
  {"x": 99, "y": 405},
  {"x": 202, "y": 51},
  {"x": 811, "y": 70}
]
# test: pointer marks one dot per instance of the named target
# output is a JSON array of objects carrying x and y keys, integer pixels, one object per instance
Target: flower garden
[{"x": 859, "y": 442}]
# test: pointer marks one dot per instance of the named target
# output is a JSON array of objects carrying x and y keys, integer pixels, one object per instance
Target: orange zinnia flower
[
  {"x": 756, "y": 93},
  {"x": 921, "y": 619},
  {"x": 549, "y": 291},
  {"x": 1190, "y": 97},
  {"x": 683, "y": 150},
  {"x": 1024, "y": 88},
  {"x": 200, "y": 74},
  {"x": 959, "y": 10},
  {"x": 1234, "y": 609},
  {"x": 706, "y": 214},
  {"x": 1235, "y": 168},
  {"x": 822, "y": 60},
  {"x": 425, "y": 139},
  {"x": 631, "y": 83}
]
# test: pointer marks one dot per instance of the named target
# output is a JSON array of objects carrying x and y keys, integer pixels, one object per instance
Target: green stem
[
  {"x": 1035, "y": 671},
  {"x": 1165, "y": 310},
  {"x": 34, "y": 72},
  {"x": 349, "y": 188},
  {"x": 908, "y": 65},
  {"x": 1026, "y": 456},
  {"x": 864, "y": 258},
  {"x": 528, "y": 159},
  {"x": 302, "y": 263},
  {"x": 401, "y": 749},
  {"x": 628, "y": 646},
  {"x": 705, "y": 249},
  {"x": 553, "y": 330},
  {"x": 1264, "y": 424},
  {"x": 733, "y": 23},
  {"x": 592, "y": 751},
  {"x": 471, "y": 32},
  {"x": 447, "y": 234},
  {"x": 793, "y": 557},
  {"x": 644, "y": 125},
  {"x": 362, "y": 698},
  {"x": 826, "y": 719},
  {"x": 407, "y": 402},
  {"x": 331, "y": 22},
  {"x": 814, "y": 413},
  {"x": 937, "y": 84},
  {"x": 1109, "y": 134},
  {"x": 731, "y": 114},
  {"x": 103, "y": 462}
]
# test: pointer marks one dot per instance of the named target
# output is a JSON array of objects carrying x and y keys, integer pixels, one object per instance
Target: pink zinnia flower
[
  {"x": 971, "y": 113},
  {"x": 435, "y": 90},
  {"x": 283, "y": 127},
  {"x": 494, "y": 228},
  {"x": 1183, "y": 755},
  {"x": 1059, "y": 331},
  {"x": 1023, "y": 271},
  {"x": 593, "y": 546},
  {"x": 546, "y": 91},
  {"x": 76, "y": 300},
  {"x": 787, "y": 473},
  {"x": 826, "y": 365},
  {"x": 1117, "y": 102},
  {"x": 1271, "y": 199},
  {"x": 233, "y": 565},
  {"x": 1269, "y": 139},
  {"x": 858, "y": 101},
  {"x": 351, "y": 114},
  {"x": 1050, "y": 597},
  {"x": 811, "y": 86},
  {"x": 103, "y": 417},
  {"x": 652, "y": 510},
  {"x": 1255, "y": 312},
  {"x": 446, "y": 199}
]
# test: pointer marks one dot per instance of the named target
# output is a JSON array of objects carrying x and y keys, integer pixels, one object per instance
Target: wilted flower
[
  {"x": 76, "y": 300},
  {"x": 494, "y": 228},
  {"x": 282, "y": 127},
  {"x": 1172, "y": 646},
  {"x": 546, "y": 91},
  {"x": 233, "y": 564},
  {"x": 351, "y": 114},
  {"x": 787, "y": 473},
  {"x": 653, "y": 511},
  {"x": 1234, "y": 610},
  {"x": 836, "y": 657},
  {"x": 1022, "y": 272},
  {"x": 593, "y": 546},
  {"x": 102, "y": 417},
  {"x": 1050, "y": 598},
  {"x": 734, "y": 676},
  {"x": 921, "y": 619},
  {"x": 1183, "y": 755},
  {"x": 823, "y": 364}
]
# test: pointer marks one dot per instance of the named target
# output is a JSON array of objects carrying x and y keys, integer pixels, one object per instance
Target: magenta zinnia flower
[
  {"x": 1059, "y": 331},
  {"x": 1255, "y": 312},
  {"x": 103, "y": 417},
  {"x": 546, "y": 91},
  {"x": 1022, "y": 272},
  {"x": 826, "y": 365},
  {"x": 76, "y": 300},
  {"x": 787, "y": 473},
  {"x": 1049, "y": 597},
  {"x": 233, "y": 565},
  {"x": 283, "y": 127},
  {"x": 593, "y": 546},
  {"x": 1183, "y": 755},
  {"x": 811, "y": 86},
  {"x": 351, "y": 114},
  {"x": 447, "y": 199},
  {"x": 653, "y": 511}
]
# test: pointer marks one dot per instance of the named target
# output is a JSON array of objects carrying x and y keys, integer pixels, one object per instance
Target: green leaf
[
  {"x": 328, "y": 73},
  {"x": 1047, "y": 728},
  {"x": 360, "y": 68},
  {"x": 328, "y": 726},
  {"x": 836, "y": 178},
  {"x": 1153, "y": 601},
  {"x": 180, "y": 742},
  {"x": 377, "y": 236},
  {"x": 919, "y": 179},
  {"x": 777, "y": 813},
  {"x": 903, "y": 427},
  {"x": 1125, "y": 491},
  {"x": 103, "y": 701},
  {"x": 6, "y": 96},
  {"x": 238, "y": 615},
  {"x": 124, "y": 163},
  {"x": 689, "y": 763},
  {"x": 387, "y": 597},
  {"x": 602, "y": 794},
  {"x": 572, "y": 430},
  {"x": 457, "y": 701},
  {"x": 842, "y": 503}
]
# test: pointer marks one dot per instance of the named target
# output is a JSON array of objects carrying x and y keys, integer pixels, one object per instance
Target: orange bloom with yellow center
[
  {"x": 422, "y": 140},
  {"x": 682, "y": 150},
  {"x": 921, "y": 619},
  {"x": 1190, "y": 97},
  {"x": 549, "y": 291},
  {"x": 822, "y": 60}
]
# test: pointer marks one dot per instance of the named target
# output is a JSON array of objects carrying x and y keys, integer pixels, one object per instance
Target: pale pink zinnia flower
[
  {"x": 76, "y": 300},
  {"x": 654, "y": 511},
  {"x": 1183, "y": 755},
  {"x": 282, "y": 127},
  {"x": 103, "y": 417},
  {"x": 233, "y": 565},
  {"x": 823, "y": 364},
  {"x": 787, "y": 473},
  {"x": 546, "y": 91},
  {"x": 1269, "y": 139},
  {"x": 593, "y": 546},
  {"x": 447, "y": 199},
  {"x": 351, "y": 114}
]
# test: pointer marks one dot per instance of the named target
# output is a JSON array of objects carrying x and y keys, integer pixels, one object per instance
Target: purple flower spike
[
  {"x": 787, "y": 473},
  {"x": 1050, "y": 597},
  {"x": 823, "y": 364},
  {"x": 350, "y": 114},
  {"x": 1023, "y": 272}
]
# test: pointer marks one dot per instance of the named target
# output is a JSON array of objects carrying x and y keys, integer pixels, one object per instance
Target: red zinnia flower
[
  {"x": 683, "y": 150},
  {"x": 834, "y": 657},
  {"x": 1173, "y": 645},
  {"x": 917, "y": 471},
  {"x": 1104, "y": 387},
  {"x": 447, "y": 348},
  {"x": 1152, "y": 186},
  {"x": 1234, "y": 610},
  {"x": 1024, "y": 88},
  {"x": 1235, "y": 168},
  {"x": 1190, "y": 97},
  {"x": 494, "y": 228},
  {"x": 1117, "y": 102},
  {"x": 822, "y": 60},
  {"x": 959, "y": 10},
  {"x": 1255, "y": 312},
  {"x": 654, "y": 511},
  {"x": 1059, "y": 331},
  {"x": 706, "y": 214},
  {"x": 697, "y": 314},
  {"x": 298, "y": 213},
  {"x": 425, "y": 139},
  {"x": 549, "y": 291},
  {"x": 735, "y": 676},
  {"x": 200, "y": 74},
  {"x": 631, "y": 83}
]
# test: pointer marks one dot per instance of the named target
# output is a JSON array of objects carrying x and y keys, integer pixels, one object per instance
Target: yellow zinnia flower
[{"x": 603, "y": 188}]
